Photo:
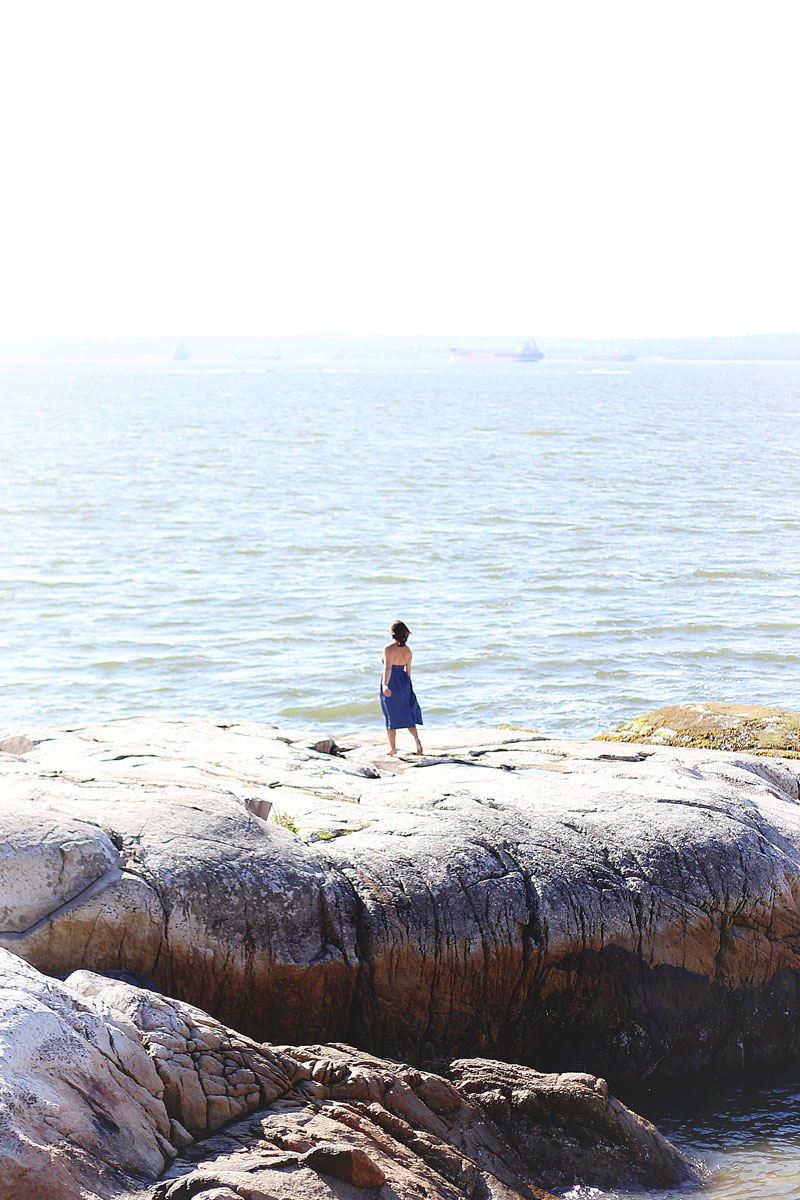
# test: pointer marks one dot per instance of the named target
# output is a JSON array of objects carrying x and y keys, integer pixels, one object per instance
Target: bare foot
[{"x": 391, "y": 752}]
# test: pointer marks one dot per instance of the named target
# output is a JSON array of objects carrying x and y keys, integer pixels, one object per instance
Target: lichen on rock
[{"x": 701, "y": 725}]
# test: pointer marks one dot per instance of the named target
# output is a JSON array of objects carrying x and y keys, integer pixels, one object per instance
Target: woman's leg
[
  {"x": 413, "y": 731},
  {"x": 392, "y": 736}
]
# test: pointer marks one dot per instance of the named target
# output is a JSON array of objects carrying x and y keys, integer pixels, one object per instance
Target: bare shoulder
[{"x": 387, "y": 650}]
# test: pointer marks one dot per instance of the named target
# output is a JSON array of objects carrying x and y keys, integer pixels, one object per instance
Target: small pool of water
[{"x": 748, "y": 1142}]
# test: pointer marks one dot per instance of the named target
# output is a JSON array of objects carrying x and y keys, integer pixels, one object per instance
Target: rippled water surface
[
  {"x": 747, "y": 1144},
  {"x": 570, "y": 547}
]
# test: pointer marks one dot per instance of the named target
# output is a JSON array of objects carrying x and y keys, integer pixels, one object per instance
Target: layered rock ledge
[
  {"x": 106, "y": 1088},
  {"x": 626, "y": 911}
]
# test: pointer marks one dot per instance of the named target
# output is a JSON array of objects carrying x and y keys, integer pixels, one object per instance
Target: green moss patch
[{"x": 754, "y": 728}]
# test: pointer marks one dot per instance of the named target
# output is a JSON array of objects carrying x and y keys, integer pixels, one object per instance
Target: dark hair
[{"x": 400, "y": 632}]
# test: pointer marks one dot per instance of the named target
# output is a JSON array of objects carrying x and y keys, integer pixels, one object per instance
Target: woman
[{"x": 399, "y": 704}]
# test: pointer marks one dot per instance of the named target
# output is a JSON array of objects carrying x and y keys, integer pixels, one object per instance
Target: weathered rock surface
[
  {"x": 81, "y": 1104},
  {"x": 103, "y": 1084},
  {"x": 568, "y": 1129},
  {"x": 630, "y": 912},
  {"x": 748, "y": 727}
]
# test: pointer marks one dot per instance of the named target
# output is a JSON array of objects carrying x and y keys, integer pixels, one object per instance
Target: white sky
[{"x": 601, "y": 168}]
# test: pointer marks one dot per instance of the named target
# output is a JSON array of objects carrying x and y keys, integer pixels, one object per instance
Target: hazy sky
[{"x": 603, "y": 168}]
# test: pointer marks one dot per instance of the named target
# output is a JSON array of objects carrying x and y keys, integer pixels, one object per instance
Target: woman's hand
[{"x": 387, "y": 691}]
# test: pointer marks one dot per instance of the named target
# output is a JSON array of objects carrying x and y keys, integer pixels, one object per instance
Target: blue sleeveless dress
[{"x": 400, "y": 710}]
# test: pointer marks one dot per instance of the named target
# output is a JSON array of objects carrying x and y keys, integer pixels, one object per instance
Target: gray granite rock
[
  {"x": 628, "y": 911},
  {"x": 568, "y": 1130},
  {"x": 81, "y": 1105}
]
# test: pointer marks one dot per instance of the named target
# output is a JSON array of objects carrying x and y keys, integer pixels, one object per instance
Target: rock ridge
[
  {"x": 628, "y": 912},
  {"x": 109, "y": 1090}
]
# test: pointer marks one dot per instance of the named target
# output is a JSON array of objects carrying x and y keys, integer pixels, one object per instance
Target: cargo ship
[{"x": 528, "y": 351}]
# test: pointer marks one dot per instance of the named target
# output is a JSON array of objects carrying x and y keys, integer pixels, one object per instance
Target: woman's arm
[
  {"x": 387, "y": 671},
  {"x": 408, "y": 662}
]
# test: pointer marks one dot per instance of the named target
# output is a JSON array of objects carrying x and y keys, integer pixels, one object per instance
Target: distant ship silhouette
[{"x": 528, "y": 351}]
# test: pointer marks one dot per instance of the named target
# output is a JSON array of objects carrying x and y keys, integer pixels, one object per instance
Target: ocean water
[
  {"x": 570, "y": 545},
  {"x": 746, "y": 1145}
]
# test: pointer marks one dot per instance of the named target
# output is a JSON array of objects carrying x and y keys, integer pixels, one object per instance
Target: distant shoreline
[{"x": 374, "y": 348}]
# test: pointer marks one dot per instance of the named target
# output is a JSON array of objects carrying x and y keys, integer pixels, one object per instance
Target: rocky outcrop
[
  {"x": 750, "y": 727},
  {"x": 568, "y": 1129},
  {"x": 631, "y": 912},
  {"x": 81, "y": 1103},
  {"x": 107, "y": 1088}
]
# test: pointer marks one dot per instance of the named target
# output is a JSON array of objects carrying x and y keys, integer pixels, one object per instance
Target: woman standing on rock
[{"x": 398, "y": 702}]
